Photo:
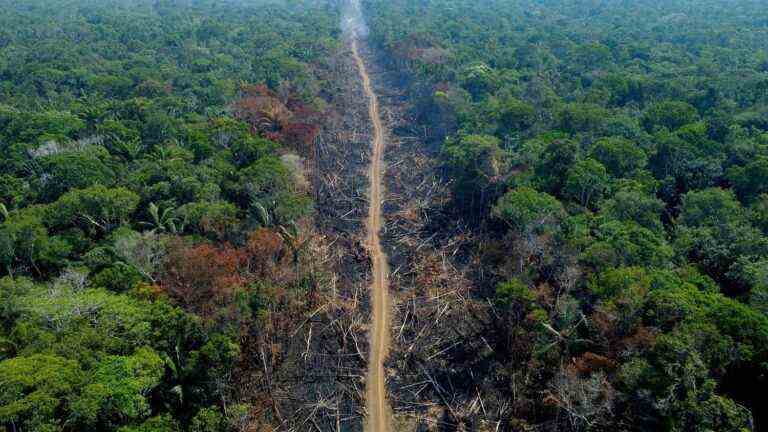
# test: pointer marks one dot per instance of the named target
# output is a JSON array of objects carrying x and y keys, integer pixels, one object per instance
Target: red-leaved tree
[{"x": 203, "y": 278}]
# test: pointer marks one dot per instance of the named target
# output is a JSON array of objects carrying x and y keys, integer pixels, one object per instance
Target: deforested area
[{"x": 383, "y": 215}]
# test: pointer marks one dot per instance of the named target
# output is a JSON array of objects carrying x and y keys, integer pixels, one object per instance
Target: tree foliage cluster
[
  {"x": 619, "y": 150},
  {"x": 147, "y": 223}
]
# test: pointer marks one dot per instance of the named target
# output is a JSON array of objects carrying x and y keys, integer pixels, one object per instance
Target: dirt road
[{"x": 379, "y": 412}]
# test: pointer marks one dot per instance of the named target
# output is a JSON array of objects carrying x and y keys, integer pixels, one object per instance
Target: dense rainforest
[
  {"x": 610, "y": 160},
  {"x": 180, "y": 211},
  {"x": 154, "y": 199}
]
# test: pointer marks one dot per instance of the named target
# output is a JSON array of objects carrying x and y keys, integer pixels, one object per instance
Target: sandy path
[{"x": 379, "y": 411}]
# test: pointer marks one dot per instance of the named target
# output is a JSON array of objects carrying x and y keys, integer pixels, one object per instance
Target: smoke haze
[{"x": 352, "y": 21}]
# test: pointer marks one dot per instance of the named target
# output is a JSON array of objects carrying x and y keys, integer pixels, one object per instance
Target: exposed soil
[{"x": 379, "y": 412}]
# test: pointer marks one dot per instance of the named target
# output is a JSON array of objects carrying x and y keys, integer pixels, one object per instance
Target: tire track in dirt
[{"x": 379, "y": 417}]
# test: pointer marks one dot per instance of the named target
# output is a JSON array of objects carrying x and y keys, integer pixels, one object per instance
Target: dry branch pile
[{"x": 438, "y": 324}]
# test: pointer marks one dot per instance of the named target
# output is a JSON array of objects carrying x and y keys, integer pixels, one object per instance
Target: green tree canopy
[{"x": 527, "y": 211}]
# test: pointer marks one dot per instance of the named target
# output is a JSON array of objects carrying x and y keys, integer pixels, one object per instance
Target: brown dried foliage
[
  {"x": 590, "y": 362},
  {"x": 202, "y": 277},
  {"x": 286, "y": 119},
  {"x": 205, "y": 279}
]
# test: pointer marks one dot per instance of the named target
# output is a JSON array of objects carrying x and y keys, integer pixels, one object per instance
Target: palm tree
[
  {"x": 130, "y": 149},
  {"x": 292, "y": 236},
  {"x": 261, "y": 213},
  {"x": 164, "y": 221},
  {"x": 165, "y": 152}
]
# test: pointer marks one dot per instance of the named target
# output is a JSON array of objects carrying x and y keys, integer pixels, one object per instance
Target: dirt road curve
[{"x": 379, "y": 413}]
